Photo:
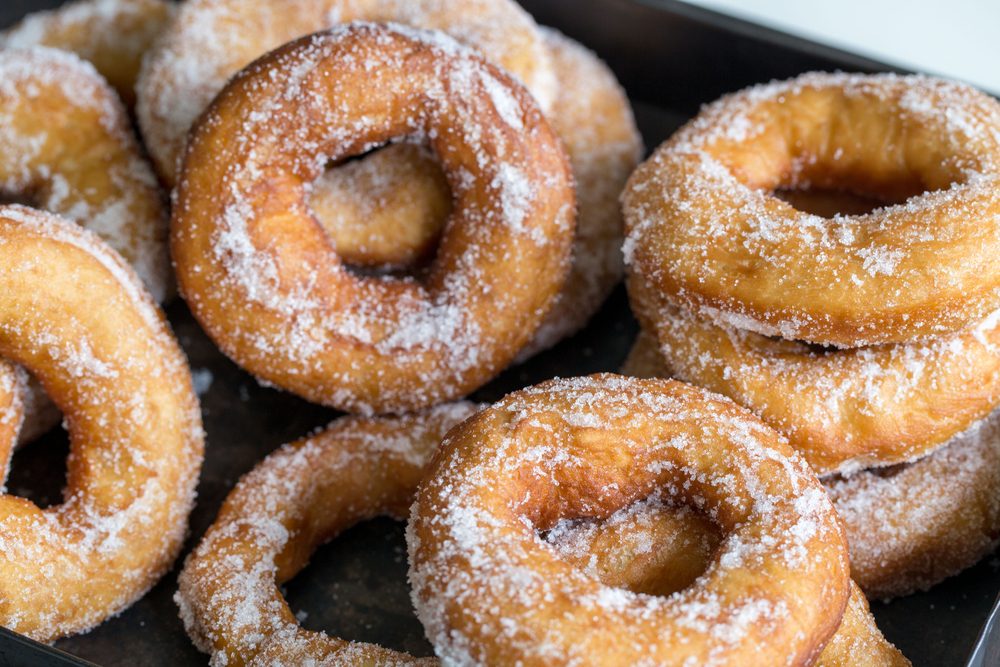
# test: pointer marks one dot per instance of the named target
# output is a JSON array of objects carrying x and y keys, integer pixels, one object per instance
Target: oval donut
[
  {"x": 844, "y": 410},
  {"x": 299, "y": 497},
  {"x": 656, "y": 548},
  {"x": 704, "y": 230},
  {"x": 911, "y": 526},
  {"x": 260, "y": 276},
  {"x": 385, "y": 212},
  {"x": 110, "y": 363},
  {"x": 112, "y": 34},
  {"x": 211, "y": 40},
  {"x": 490, "y": 592}
]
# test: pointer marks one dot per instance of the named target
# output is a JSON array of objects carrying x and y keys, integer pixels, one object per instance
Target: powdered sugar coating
[
  {"x": 112, "y": 34},
  {"x": 704, "y": 228},
  {"x": 299, "y": 497},
  {"x": 485, "y": 585},
  {"x": 211, "y": 40},
  {"x": 307, "y": 324},
  {"x": 134, "y": 423},
  {"x": 845, "y": 410}
]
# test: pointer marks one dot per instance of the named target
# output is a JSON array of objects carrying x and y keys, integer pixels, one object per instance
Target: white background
[{"x": 955, "y": 38}]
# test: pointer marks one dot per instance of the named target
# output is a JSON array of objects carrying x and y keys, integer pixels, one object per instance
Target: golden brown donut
[
  {"x": 844, "y": 410},
  {"x": 388, "y": 210},
  {"x": 299, "y": 497},
  {"x": 111, "y": 34},
  {"x": 490, "y": 592},
  {"x": 109, "y": 361},
  {"x": 913, "y": 525},
  {"x": 211, "y": 40},
  {"x": 66, "y": 145},
  {"x": 261, "y": 277},
  {"x": 654, "y": 548},
  {"x": 704, "y": 229}
]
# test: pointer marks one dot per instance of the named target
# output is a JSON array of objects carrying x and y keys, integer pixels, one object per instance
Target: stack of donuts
[
  {"x": 870, "y": 338},
  {"x": 381, "y": 205}
]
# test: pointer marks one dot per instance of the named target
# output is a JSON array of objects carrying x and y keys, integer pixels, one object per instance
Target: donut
[
  {"x": 398, "y": 218},
  {"x": 704, "y": 229},
  {"x": 654, "y": 548},
  {"x": 489, "y": 591},
  {"x": 211, "y": 40},
  {"x": 299, "y": 497},
  {"x": 912, "y": 525},
  {"x": 111, "y": 364},
  {"x": 844, "y": 410},
  {"x": 66, "y": 146},
  {"x": 111, "y": 34},
  {"x": 260, "y": 277}
]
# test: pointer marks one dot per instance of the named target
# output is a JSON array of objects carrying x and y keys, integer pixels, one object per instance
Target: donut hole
[
  {"x": 38, "y": 472},
  {"x": 653, "y": 546},
  {"x": 872, "y": 148},
  {"x": 10, "y": 197},
  {"x": 828, "y": 203},
  {"x": 384, "y": 211}
]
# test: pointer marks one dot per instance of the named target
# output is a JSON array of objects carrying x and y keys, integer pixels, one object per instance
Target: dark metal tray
[{"x": 672, "y": 58}]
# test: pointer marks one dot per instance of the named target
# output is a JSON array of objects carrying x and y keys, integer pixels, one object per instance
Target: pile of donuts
[{"x": 381, "y": 205}]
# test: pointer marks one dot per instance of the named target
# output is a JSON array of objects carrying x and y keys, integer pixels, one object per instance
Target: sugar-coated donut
[
  {"x": 655, "y": 548},
  {"x": 844, "y": 410},
  {"x": 112, "y": 34},
  {"x": 704, "y": 229},
  {"x": 211, "y": 40},
  {"x": 66, "y": 145},
  {"x": 299, "y": 497},
  {"x": 490, "y": 592},
  {"x": 109, "y": 362},
  {"x": 913, "y": 525},
  {"x": 383, "y": 211},
  {"x": 259, "y": 273}
]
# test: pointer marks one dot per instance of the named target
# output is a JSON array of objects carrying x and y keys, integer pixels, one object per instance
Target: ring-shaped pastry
[
  {"x": 212, "y": 40},
  {"x": 704, "y": 228},
  {"x": 389, "y": 212},
  {"x": 112, "y": 34},
  {"x": 108, "y": 360},
  {"x": 844, "y": 410},
  {"x": 299, "y": 497},
  {"x": 490, "y": 592},
  {"x": 260, "y": 276}
]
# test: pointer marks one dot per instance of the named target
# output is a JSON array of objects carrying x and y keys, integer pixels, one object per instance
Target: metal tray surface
[{"x": 672, "y": 58}]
